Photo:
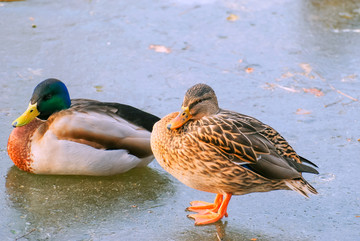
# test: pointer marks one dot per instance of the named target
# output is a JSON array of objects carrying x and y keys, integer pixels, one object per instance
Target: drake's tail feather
[{"x": 301, "y": 186}]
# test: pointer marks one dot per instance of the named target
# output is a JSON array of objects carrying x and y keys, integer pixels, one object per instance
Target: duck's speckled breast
[
  {"x": 19, "y": 145},
  {"x": 185, "y": 158},
  {"x": 162, "y": 141}
]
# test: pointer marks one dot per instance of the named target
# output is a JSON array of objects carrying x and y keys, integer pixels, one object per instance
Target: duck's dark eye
[{"x": 47, "y": 97}]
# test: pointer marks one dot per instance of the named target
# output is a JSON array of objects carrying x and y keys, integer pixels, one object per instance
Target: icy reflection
[
  {"x": 50, "y": 203},
  {"x": 219, "y": 231}
]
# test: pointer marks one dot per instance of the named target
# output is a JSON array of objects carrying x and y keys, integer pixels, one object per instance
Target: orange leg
[{"x": 210, "y": 213}]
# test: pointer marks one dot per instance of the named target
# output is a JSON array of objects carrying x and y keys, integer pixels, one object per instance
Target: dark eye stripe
[{"x": 197, "y": 102}]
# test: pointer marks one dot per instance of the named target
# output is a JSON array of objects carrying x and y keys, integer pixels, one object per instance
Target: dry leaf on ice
[
  {"x": 314, "y": 91},
  {"x": 302, "y": 112},
  {"x": 349, "y": 78},
  {"x": 232, "y": 17},
  {"x": 98, "y": 88},
  {"x": 287, "y": 75},
  {"x": 249, "y": 70},
  {"x": 306, "y": 67},
  {"x": 160, "y": 48}
]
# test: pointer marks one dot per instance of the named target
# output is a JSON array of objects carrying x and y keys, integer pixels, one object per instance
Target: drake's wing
[
  {"x": 99, "y": 129},
  {"x": 131, "y": 114}
]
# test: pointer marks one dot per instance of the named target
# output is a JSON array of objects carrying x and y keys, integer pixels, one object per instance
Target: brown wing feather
[
  {"x": 256, "y": 127},
  {"x": 244, "y": 139},
  {"x": 233, "y": 136}
]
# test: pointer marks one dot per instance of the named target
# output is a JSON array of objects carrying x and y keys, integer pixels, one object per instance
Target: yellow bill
[
  {"x": 27, "y": 116},
  {"x": 180, "y": 119}
]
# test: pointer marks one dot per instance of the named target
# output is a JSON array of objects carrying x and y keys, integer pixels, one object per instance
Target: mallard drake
[
  {"x": 57, "y": 135},
  {"x": 224, "y": 152}
]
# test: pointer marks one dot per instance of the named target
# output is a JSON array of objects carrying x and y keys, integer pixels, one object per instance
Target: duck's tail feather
[
  {"x": 303, "y": 168},
  {"x": 303, "y": 159},
  {"x": 301, "y": 186}
]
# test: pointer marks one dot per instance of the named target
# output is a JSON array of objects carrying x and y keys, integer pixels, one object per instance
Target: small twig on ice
[
  {"x": 32, "y": 230},
  {"x": 342, "y": 93}
]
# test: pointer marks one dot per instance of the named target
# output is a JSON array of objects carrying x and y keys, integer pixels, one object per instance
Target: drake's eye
[{"x": 47, "y": 97}]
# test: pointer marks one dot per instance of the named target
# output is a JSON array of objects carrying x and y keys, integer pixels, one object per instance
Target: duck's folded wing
[
  {"x": 100, "y": 131},
  {"x": 244, "y": 143},
  {"x": 233, "y": 138},
  {"x": 129, "y": 113}
]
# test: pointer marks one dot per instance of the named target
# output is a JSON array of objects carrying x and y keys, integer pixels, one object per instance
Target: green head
[{"x": 50, "y": 96}]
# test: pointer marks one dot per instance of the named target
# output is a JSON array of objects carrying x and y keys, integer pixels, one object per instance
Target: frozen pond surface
[{"x": 292, "y": 64}]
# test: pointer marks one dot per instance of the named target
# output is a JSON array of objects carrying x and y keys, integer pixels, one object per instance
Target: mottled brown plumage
[{"x": 224, "y": 152}]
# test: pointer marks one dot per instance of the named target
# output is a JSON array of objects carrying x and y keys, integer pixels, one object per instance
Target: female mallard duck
[
  {"x": 56, "y": 135},
  {"x": 224, "y": 152}
]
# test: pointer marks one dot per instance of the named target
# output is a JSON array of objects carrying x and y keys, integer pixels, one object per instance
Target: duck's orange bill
[
  {"x": 27, "y": 116},
  {"x": 180, "y": 119}
]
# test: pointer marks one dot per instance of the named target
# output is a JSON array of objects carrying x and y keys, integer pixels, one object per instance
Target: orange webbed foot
[
  {"x": 202, "y": 219},
  {"x": 205, "y": 207},
  {"x": 209, "y": 212},
  {"x": 198, "y": 206}
]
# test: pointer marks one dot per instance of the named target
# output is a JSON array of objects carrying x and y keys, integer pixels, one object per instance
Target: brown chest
[{"x": 19, "y": 145}]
